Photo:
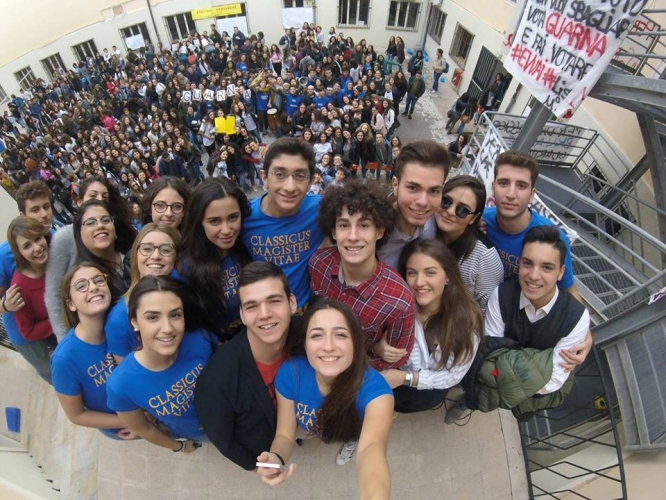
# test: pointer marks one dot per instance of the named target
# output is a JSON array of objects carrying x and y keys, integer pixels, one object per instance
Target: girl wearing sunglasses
[
  {"x": 153, "y": 254},
  {"x": 81, "y": 364},
  {"x": 463, "y": 199}
]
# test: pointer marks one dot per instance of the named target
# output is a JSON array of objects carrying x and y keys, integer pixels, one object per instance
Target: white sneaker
[
  {"x": 346, "y": 453},
  {"x": 433, "y": 91}
]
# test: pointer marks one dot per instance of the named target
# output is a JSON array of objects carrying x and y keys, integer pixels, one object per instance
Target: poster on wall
[
  {"x": 135, "y": 42},
  {"x": 227, "y": 24},
  {"x": 484, "y": 169},
  {"x": 295, "y": 17},
  {"x": 561, "y": 47}
]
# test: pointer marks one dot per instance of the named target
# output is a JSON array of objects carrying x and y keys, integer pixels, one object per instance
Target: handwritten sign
[
  {"x": 561, "y": 47},
  {"x": 558, "y": 144},
  {"x": 484, "y": 169}
]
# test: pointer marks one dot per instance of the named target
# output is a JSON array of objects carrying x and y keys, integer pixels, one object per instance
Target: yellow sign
[
  {"x": 225, "y": 125},
  {"x": 217, "y": 11}
]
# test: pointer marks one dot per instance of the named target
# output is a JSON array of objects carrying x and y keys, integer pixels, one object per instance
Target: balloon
[
  {"x": 442, "y": 79},
  {"x": 427, "y": 59}
]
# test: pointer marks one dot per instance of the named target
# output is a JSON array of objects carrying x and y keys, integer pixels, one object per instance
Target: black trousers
[{"x": 411, "y": 400}]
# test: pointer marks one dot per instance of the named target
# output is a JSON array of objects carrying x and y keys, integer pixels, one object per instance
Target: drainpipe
[
  {"x": 425, "y": 31},
  {"x": 152, "y": 18}
]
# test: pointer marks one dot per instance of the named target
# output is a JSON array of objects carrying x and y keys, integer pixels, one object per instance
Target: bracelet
[
  {"x": 182, "y": 447},
  {"x": 409, "y": 375},
  {"x": 279, "y": 457}
]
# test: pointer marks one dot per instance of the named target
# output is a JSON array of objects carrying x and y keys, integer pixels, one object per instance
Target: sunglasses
[{"x": 460, "y": 211}]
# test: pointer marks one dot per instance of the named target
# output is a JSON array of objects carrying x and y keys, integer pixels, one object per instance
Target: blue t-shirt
[
  {"x": 120, "y": 336},
  {"x": 79, "y": 368},
  {"x": 167, "y": 395},
  {"x": 295, "y": 380},
  {"x": 262, "y": 100},
  {"x": 231, "y": 316},
  {"x": 7, "y": 268},
  {"x": 510, "y": 246},
  {"x": 288, "y": 242}
]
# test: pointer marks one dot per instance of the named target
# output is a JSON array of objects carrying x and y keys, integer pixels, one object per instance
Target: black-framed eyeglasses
[
  {"x": 105, "y": 220},
  {"x": 83, "y": 285},
  {"x": 161, "y": 207},
  {"x": 165, "y": 249},
  {"x": 299, "y": 177},
  {"x": 460, "y": 211}
]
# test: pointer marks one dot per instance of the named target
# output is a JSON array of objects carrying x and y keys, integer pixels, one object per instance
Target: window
[
  {"x": 403, "y": 15},
  {"x": 297, "y": 4},
  {"x": 3, "y": 94},
  {"x": 436, "y": 25},
  {"x": 85, "y": 50},
  {"x": 25, "y": 77},
  {"x": 137, "y": 29},
  {"x": 52, "y": 65},
  {"x": 227, "y": 23},
  {"x": 180, "y": 25},
  {"x": 462, "y": 42},
  {"x": 353, "y": 12}
]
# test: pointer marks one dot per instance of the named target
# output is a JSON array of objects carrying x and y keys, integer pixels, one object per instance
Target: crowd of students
[{"x": 201, "y": 315}]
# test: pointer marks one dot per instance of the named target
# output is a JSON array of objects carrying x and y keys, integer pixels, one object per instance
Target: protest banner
[{"x": 561, "y": 47}]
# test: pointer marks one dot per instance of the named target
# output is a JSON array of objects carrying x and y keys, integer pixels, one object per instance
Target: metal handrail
[
  {"x": 611, "y": 215},
  {"x": 626, "y": 193},
  {"x": 635, "y": 291},
  {"x": 607, "y": 235}
]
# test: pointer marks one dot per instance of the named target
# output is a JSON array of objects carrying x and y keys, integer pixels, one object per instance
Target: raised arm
[
  {"x": 283, "y": 444},
  {"x": 374, "y": 476}
]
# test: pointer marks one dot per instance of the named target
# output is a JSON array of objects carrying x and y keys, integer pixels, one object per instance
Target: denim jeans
[
  {"x": 410, "y": 103},
  {"x": 38, "y": 354},
  {"x": 435, "y": 83}
]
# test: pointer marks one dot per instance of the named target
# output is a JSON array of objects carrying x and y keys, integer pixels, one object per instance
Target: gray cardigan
[{"x": 62, "y": 256}]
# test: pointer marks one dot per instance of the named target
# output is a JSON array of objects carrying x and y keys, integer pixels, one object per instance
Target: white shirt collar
[{"x": 542, "y": 311}]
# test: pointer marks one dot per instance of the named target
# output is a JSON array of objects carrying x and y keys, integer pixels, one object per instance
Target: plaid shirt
[{"x": 383, "y": 303}]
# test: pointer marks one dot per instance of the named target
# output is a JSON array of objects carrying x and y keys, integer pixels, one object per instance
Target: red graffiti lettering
[{"x": 575, "y": 34}]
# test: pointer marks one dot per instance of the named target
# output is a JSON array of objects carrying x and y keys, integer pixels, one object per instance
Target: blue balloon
[
  {"x": 442, "y": 79},
  {"x": 427, "y": 59},
  {"x": 409, "y": 51}
]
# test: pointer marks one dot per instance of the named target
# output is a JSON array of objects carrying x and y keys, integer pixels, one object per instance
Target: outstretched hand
[{"x": 273, "y": 477}]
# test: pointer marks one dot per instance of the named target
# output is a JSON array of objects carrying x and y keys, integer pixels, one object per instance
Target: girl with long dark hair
[
  {"x": 213, "y": 253},
  {"x": 463, "y": 199},
  {"x": 331, "y": 392},
  {"x": 448, "y": 328},
  {"x": 170, "y": 355}
]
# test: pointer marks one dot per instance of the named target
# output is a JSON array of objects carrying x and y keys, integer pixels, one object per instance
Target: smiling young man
[
  {"x": 34, "y": 201},
  {"x": 235, "y": 394},
  {"x": 534, "y": 311},
  {"x": 282, "y": 226},
  {"x": 509, "y": 221},
  {"x": 420, "y": 171},
  {"x": 358, "y": 217}
]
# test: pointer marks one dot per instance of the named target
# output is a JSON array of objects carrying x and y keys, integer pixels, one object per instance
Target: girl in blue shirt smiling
[
  {"x": 81, "y": 364},
  {"x": 333, "y": 393}
]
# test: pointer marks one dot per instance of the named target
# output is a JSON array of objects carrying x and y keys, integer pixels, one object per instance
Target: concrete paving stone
[
  {"x": 404, "y": 473},
  {"x": 464, "y": 460},
  {"x": 135, "y": 469},
  {"x": 110, "y": 464},
  {"x": 107, "y": 489},
  {"x": 401, "y": 440},
  {"x": 433, "y": 466},
  {"x": 492, "y": 452},
  {"x": 192, "y": 477},
  {"x": 134, "y": 492},
  {"x": 496, "y": 483},
  {"x": 329, "y": 480},
  {"x": 161, "y": 473},
  {"x": 299, "y": 486},
  {"x": 469, "y": 487},
  {"x": 435, "y": 491}
]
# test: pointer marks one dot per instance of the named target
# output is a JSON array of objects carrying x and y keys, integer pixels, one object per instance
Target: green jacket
[{"x": 510, "y": 379}]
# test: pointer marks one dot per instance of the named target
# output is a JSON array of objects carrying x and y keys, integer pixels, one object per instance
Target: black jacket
[{"x": 233, "y": 404}]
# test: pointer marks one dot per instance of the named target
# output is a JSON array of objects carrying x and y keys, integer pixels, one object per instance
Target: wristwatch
[{"x": 409, "y": 376}]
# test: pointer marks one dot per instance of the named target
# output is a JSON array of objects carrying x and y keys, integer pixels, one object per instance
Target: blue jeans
[
  {"x": 38, "y": 354},
  {"x": 435, "y": 84},
  {"x": 410, "y": 103}
]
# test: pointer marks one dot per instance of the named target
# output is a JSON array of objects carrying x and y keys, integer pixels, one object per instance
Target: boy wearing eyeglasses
[{"x": 282, "y": 226}]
